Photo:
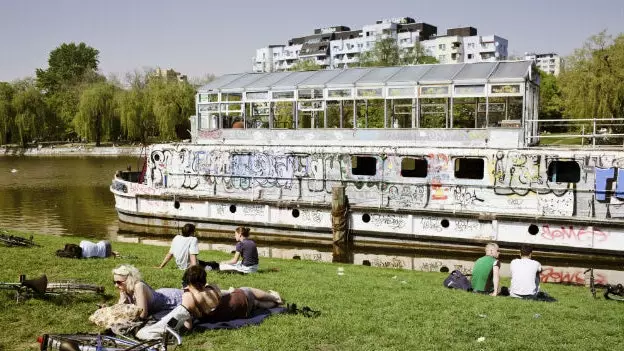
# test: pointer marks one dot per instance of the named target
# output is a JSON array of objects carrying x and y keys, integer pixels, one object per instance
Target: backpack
[
  {"x": 457, "y": 280},
  {"x": 70, "y": 251}
]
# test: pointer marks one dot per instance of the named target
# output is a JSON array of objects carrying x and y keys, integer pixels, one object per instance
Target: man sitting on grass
[
  {"x": 486, "y": 272},
  {"x": 525, "y": 274}
]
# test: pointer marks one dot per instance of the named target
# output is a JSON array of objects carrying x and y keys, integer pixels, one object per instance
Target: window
[
  {"x": 413, "y": 167},
  {"x": 471, "y": 45},
  {"x": 363, "y": 165},
  {"x": 469, "y": 168},
  {"x": 442, "y": 46},
  {"x": 564, "y": 172},
  {"x": 470, "y": 56}
]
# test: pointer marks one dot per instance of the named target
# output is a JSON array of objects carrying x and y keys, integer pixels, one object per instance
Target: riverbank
[
  {"x": 364, "y": 308},
  {"x": 72, "y": 150}
]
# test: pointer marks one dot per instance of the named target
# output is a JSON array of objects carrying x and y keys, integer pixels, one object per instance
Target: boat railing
[{"x": 588, "y": 132}]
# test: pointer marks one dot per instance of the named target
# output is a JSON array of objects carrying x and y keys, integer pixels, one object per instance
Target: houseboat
[{"x": 442, "y": 157}]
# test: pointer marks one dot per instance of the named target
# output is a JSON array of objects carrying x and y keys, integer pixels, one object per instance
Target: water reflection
[{"x": 60, "y": 195}]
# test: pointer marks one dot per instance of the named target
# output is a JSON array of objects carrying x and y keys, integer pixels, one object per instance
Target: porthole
[
  {"x": 444, "y": 223},
  {"x": 176, "y": 204},
  {"x": 295, "y": 213},
  {"x": 444, "y": 269},
  {"x": 296, "y": 257},
  {"x": 366, "y": 263},
  {"x": 233, "y": 208},
  {"x": 366, "y": 218},
  {"x": 533, "y": 229}
]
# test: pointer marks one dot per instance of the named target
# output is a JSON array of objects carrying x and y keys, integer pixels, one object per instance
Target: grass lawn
[{"x": 367, "y": 308}]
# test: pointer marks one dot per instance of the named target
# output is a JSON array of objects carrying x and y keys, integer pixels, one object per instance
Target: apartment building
[
  {"x": 339, "y": 46},
  {"x": 550, "y": 62}
]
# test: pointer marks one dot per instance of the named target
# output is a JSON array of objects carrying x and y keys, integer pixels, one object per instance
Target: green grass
[{"x": 367, "y": 308}]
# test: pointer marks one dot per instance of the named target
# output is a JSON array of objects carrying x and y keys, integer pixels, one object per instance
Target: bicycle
[
  {"x": 40, "y": 287},
  {"x": 612, "y": 291},
  {"x": 99, "y": 342},
  {"x": 12, "y": 240}
]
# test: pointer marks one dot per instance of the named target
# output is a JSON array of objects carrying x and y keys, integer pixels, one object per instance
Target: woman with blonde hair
[{"x": 133, "y": 290}]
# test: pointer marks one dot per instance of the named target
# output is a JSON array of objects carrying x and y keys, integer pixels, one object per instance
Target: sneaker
[{"x": 277, "y": 296}]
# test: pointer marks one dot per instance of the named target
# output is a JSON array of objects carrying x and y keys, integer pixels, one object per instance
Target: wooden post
[{"x": 340, "y": 226}]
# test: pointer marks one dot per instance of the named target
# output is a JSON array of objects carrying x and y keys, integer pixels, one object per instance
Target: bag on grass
[
  {"x": 70, "y": 251},
  {"x": 457, "y": 280}
]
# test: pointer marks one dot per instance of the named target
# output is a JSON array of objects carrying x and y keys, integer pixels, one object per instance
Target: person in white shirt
[
  {"x": 101, "y": 249},
  {"x": 525, "y": 274},
  {"x": 184, "y": 248}
]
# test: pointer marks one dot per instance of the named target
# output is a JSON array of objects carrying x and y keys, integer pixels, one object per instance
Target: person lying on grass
[
  {"x": 133, "y": 290},
  {"x": 207, "y": 303}
]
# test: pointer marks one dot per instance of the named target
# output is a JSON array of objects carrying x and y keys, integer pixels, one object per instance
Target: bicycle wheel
[
  {"x": 92, "y": 342},
  {"x": 70, "y": 287}
]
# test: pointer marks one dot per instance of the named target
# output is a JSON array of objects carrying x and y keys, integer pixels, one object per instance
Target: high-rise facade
[
  {"x": 339, "y": 46},
  {"x": 550, "y": 63}
]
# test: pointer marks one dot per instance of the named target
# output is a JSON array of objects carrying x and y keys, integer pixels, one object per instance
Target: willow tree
[
  {"x": 416, "y": 55},
  {"x": 30, "y": 112},
  {"x": 173, "y": 102},
  {"x": 96, "y": 112},
  {"x": 7, "y": 117},
  {"x": 591, "y": 83},
  {"x": 135, "y": 108}
]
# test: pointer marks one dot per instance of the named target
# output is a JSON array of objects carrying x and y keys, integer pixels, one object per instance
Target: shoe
[{"x": 277, "y": 296}]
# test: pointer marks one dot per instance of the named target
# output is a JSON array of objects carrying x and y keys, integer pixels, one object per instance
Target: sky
[{"x": 198, "y": 38}]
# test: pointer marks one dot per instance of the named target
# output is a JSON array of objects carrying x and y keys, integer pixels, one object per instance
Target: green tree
[
  {"x": 385, "y": 52},
  {"x": 30, "y": 111},
  {"x": 7, "y": 116},
  {"x": 135, "y": 108},
  {"x": 591, "y": 85},
  {"x": 172, "y": 103},
  {"x": 551, "y": 103},
  {"x": 68, "y": 63},
  {"x": 416, "y": 55},
  {"x": 96, "y": 112},
  {"x": 305, "y": 65},
  {"x": 72, "y": 68}
]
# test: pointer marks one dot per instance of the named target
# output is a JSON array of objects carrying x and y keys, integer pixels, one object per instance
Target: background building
[
  {"x": 339, "y": 46},
  {"x": 550, "y": 63}
]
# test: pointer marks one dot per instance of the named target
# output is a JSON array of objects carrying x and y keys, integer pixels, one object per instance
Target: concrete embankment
[{"x": 72, "y": 150}]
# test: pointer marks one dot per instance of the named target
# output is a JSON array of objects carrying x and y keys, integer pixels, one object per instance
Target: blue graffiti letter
[{"x": 602, "y": 175}]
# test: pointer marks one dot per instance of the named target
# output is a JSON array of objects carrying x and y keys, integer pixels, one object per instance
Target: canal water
[
  {"x": 70, "y": 196},
  {"x": 60, "y": 195}
]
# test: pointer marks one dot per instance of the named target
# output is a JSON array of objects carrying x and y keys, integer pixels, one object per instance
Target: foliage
[
  {"x": 96, "y": 112},
  {"x": 416, "y": 55},
  {"x": 7, "y": 116},
  {"x": 305, "y": 65},
  {"x": 30, "y": 111},
  {"x": 135, "y": 108},
  {"x": 68, "y": 64},
  {"x": 366, "y": 308},
  {"x": 386, "y": 52},
  {"x": 173, "y": 102},
  {"x": 591, "y": 84}
]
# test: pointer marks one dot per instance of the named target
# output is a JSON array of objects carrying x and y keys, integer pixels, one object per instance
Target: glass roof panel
[
  {"x": 441, "y": 73},
  {"x": 244, "y": 80},
  {"x": 319, "y": 78},
  {"x": 409, "y": 74},
  {"x": 267, "y": 81},
  {"x": 220, "y": 81},
  {"x": 475, "y": 72},
  {"x": 292, "y": 81},
  {"x": 348, "y": 76},
  {"x": 511, "y": 70},
  {"x": 378, "y": 75}
]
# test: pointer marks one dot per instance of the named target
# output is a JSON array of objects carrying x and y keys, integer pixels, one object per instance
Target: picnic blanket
[{"x": 257, "y": 316}]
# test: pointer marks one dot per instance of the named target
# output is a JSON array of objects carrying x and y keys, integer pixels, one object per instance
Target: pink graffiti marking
[
  {"x": 569, "y": 233},
  {"x": 554, "y": 275}
]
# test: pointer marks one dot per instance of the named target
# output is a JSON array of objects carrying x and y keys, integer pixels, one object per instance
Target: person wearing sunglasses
[{"x": 133, "y": 290}]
